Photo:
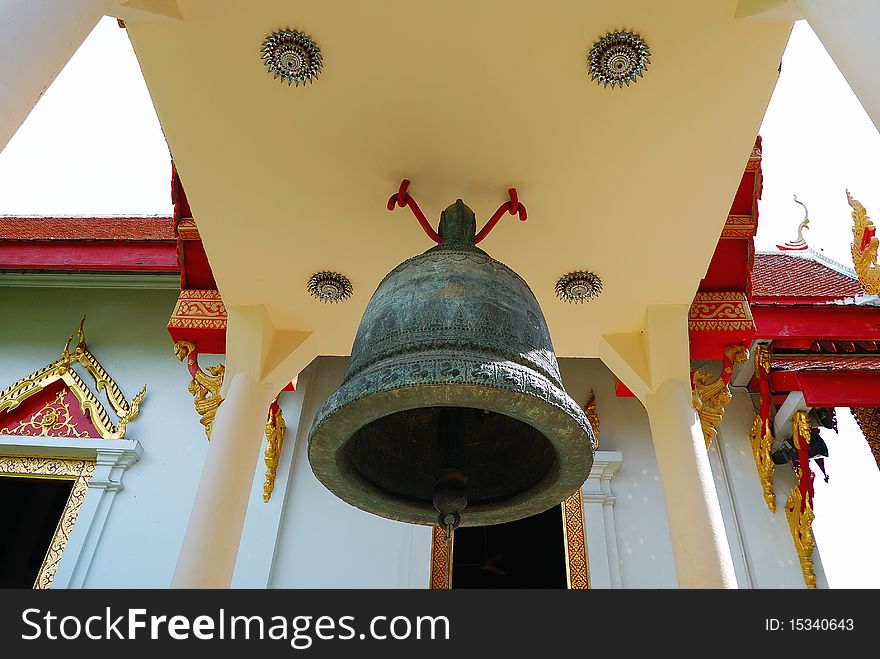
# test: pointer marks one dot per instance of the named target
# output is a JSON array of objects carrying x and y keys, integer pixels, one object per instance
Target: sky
[{"x": 93, "y": 146}]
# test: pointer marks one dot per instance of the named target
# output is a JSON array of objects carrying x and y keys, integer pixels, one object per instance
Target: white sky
[{"x": 93, "y": 145}]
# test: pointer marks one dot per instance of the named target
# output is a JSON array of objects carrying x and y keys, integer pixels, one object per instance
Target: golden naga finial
[
  {"x": 800, "y": 242},
  {"x": 864, "y": 247}
]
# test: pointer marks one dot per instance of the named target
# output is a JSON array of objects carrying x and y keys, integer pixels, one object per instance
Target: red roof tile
[
  {"x": 786, "y": 276},
  {"x": 87, "y": 228}
]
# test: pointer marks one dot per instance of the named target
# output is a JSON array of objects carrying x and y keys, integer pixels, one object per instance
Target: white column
[
  {"x": 699, "y": 543},
  {"x": 601, "y": 534},
  {"x": 655, "y": 365},
  {"x": 849, "y": 31},
  {"x": 210, "y": 545},
  {"x": 37, "y": 38}
]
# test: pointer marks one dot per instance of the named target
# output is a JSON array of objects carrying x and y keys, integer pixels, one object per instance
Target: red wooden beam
[
  {"x": 147, "y": 256},
  {"x": 833, "y": 321},
  {"x": 831, "y": 388}
]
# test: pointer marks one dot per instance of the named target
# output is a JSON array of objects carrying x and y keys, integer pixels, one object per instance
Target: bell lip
[{"x": 334, "y": 470}]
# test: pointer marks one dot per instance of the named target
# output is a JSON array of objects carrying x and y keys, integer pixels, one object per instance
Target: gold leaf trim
[
  {"x": 592, "y": 413},
  {"x": 275, "y": 431},
  {"x": 574, "y": 536},
  {"x": 576, "y": 563},
  {"x": 19, "y": 391},
  {"x": 864, "y": 260},
  {"x": 80, "y": 471},
  {"x": 800, "y": 521},
  {"x": 441, "y": 559},
  {"x": 204, "y": 387},
  {"x": 761, "y": 440},
  {"x": 868, "y": 419}
]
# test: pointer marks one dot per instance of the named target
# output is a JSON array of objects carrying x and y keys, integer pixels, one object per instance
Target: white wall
[
  {"x": 326, "y": 543},
  {"x": 126, "y": 330},
  {"x": 760, "y": 541},
  {"x": 639, "y": 513}
]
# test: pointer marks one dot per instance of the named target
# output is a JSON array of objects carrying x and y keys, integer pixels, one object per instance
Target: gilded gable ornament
[
  {"x": 69, "y": 407},
  {"x": 864, "y": 247}
]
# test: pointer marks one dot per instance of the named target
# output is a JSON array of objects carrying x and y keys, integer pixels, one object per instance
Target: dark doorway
[
  {"x": 31, "y": 510},
  {"x": 528, "y": 553}
]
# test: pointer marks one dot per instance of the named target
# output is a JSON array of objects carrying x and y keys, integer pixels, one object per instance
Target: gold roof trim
[{"x": 19, "y": 391}]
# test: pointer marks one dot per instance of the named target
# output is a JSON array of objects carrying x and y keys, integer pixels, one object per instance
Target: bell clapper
[{"x": 450, "y": 491}]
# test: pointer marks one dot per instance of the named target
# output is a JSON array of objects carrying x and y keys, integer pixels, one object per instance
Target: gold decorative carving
[
  {"x": 864, "y": 247},
  {"x": 441, "y": 559},
  {"x": 761, "y": 439},
  {"x": 593, "y": 415},
  {"x": 204, "y": 387},
  {"x": 800, "y": 521},
  {"x": 762, "y": 357},
  {"x": 275, "y": 430},
  {"x": 54, "y": 417},
  {"x": 15, "y": 394},
  {"x": 198, "y": 309},
  {"x": 576, "y": 562},
  {"x": 711, "y": 393},
  {"x": 760, "y": 434},
  {"x": 800, "y": 429},
  {"x": 710, "y": 396},
  {"x": 741, "y": 227},
  {"x": 80, "y": 471},
  {"x": 720, "y": 311},
  {"x": 799, "y": 507},
  {"x": 187, "y": 229},
  {"x": 868, "y": 419},
  {"x": 754, "y": 162}
]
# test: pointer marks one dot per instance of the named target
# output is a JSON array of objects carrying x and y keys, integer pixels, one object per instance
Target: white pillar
[
  {"x": 37, "y": 38},
  {"x": 699, "y": 543},
  {"x": 849, "y": 31},
  {"x": 655, "y": 365},
  {"x": 210, "y": 545}
]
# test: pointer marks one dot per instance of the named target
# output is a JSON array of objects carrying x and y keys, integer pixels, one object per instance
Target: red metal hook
[
  {"x": 402, "y": 198},
  {"x": 514, "y": 207}
]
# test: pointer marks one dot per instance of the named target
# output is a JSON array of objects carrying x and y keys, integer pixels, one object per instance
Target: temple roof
[
  {"x": 807, "y": 276},
  {"x": 87, "y": 228}
]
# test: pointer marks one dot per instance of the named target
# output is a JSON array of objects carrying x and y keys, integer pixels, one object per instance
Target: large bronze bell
[{"x": 452, "y": 398}]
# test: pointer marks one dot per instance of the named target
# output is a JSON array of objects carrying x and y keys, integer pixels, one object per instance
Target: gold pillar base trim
[
  {"x": 761, "y": 439},
  {"x": 800, "y": 521},
  {"x": 80, "y": 471}
]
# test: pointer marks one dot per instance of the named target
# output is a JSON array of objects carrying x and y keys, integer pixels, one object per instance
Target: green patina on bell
[{"x": 452, "y": 402}]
